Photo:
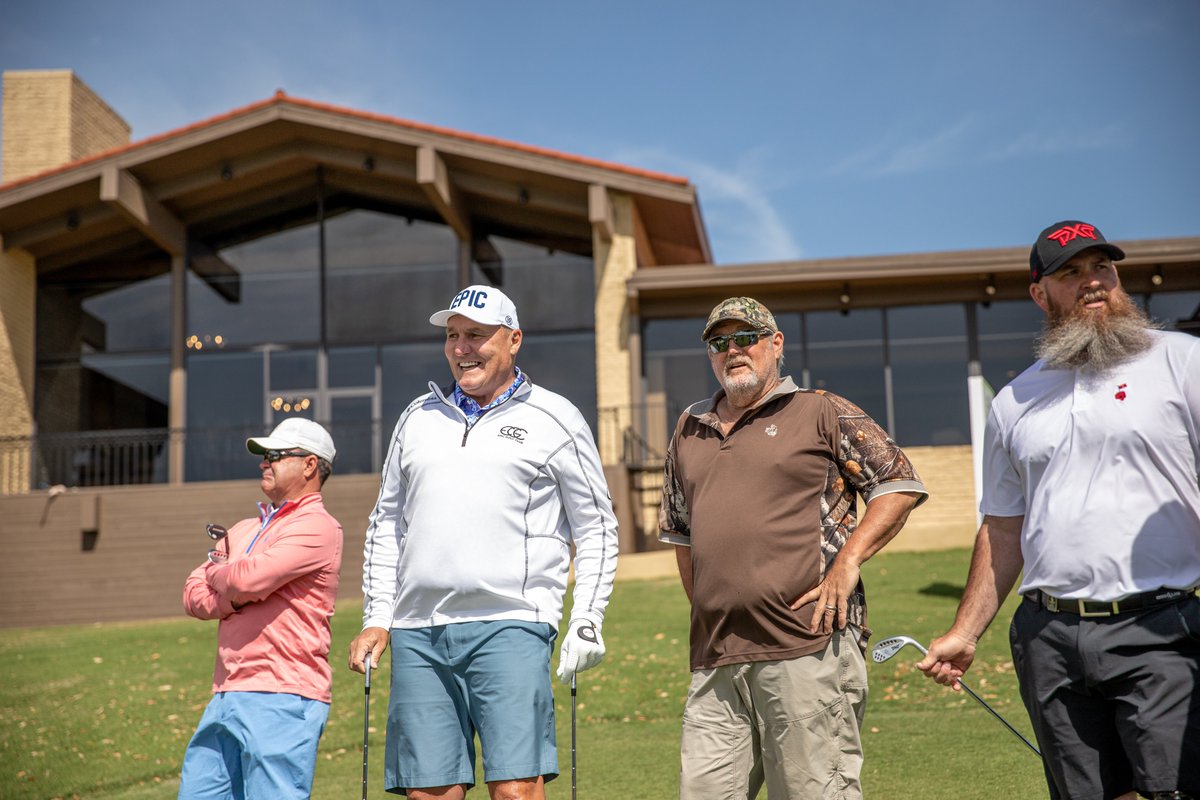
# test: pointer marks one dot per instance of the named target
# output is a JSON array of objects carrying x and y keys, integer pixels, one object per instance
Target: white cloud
[
  {"x": 1037, "y": 143},
  {"x": 965, "y": 142},
  {"x": 889, "y": 156}
]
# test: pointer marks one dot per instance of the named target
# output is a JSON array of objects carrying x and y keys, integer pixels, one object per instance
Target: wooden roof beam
[
  {"x": 125, "y": 194},
  {"x": 600, "y": 211},
  {"x": 434, "y": 179}
]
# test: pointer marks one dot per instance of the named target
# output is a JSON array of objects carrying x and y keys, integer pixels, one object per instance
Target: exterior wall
[
  {"x": 51, "y": 118},
  {"x": 947, "y": 518},
  {"x": 616, "y": 262},
  {"x": 145, "y": 542},
  {"x": 18, "y": 287}
]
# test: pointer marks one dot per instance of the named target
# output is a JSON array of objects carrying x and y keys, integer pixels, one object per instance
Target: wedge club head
[
  {"x": 889, "y": 647},
  {"x": 217, "y": 533}
]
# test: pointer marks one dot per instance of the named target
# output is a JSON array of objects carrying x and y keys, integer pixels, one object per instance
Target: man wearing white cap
[
  {"x": 272, "y": 583},
  {"x": 486, "y": 486}
]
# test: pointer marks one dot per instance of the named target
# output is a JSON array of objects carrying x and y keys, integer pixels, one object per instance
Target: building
[{"x": 164, "y": 299}]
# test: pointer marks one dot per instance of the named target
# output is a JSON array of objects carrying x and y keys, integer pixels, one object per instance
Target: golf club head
[
  {"x": 215, "y": 532},
  {"x": 889, "y": 647}
]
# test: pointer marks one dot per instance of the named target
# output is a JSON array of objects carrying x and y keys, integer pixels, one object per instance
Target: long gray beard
[{"x": 1095, "y": 341}]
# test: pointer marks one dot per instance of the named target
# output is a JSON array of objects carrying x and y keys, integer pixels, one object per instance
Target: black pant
[{"x": 1114, "y": 700}]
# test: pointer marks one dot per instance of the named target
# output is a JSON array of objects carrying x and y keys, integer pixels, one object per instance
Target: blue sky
[{"x": 812, "y": 130}]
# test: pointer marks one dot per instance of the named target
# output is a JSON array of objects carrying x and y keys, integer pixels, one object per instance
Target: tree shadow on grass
[{"x": 942, "y": 589}]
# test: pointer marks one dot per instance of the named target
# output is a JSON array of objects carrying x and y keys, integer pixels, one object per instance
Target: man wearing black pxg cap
[
  {"x": 486, "y": 486},
  {"x": 1091, "y": 486}
]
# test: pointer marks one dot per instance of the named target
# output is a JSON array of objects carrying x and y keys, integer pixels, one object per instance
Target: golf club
[
  {"x": 889, "y": 647},
  {"x": 572, "y": 737},
  {"x": 366, "y": 718},
  {"x": 217, "y": 533}
]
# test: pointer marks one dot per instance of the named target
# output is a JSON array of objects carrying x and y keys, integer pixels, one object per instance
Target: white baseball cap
[
  {"x": 295, "y": 432},
  {"x": 486, "y": 305}
]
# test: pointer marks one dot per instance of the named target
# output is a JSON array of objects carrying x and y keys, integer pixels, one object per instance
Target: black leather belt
[{"x": 1097, "y": 608}]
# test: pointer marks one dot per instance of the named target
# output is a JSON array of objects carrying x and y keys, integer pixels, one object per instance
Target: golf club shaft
[
  {"x": 891, "y": 646},
  {"x": 572, "y": 737},
  {"x": 366, "y": 719},
  {"x": 991, "y": 710}
]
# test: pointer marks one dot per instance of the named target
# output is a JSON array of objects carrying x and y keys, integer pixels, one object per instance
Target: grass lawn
[{"x": 104, "y": 712}]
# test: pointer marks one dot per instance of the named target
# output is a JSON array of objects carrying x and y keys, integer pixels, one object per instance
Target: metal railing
[
  {"x": 634, "y": 436},
  {"x": 140, "y": 456}
]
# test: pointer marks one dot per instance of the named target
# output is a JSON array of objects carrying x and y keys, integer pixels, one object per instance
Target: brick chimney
[{"x": 51, "y": 118}]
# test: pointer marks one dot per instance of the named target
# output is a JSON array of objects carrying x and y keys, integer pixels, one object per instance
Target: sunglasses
[
  {"x": 743, "y": 339},
  {"x": 274, "y": 455}
]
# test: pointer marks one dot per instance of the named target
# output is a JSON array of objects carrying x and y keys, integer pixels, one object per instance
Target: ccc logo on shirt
[{"x": 514, "y": 433}]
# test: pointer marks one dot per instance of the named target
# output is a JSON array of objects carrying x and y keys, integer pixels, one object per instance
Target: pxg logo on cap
[
  {"x": 1058, "y": 244},
  {"x": 486, "y": 305}
]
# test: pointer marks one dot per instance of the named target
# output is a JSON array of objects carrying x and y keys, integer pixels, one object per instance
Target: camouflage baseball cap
[{"x": 746, "y": 309}]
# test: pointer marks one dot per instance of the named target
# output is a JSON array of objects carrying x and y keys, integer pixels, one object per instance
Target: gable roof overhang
[
  {"x": 257, "y": 168},
  {"x": 1150, "y": 266}
]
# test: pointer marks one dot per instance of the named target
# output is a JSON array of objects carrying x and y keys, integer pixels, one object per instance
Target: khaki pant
[{"x": 794, "y": 724}]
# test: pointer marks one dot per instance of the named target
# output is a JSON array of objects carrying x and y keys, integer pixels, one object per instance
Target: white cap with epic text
[{"x": 483, "y": 304}]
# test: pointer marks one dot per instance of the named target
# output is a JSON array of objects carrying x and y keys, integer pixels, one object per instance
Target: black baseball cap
[{"x": 1059, "y": 243}]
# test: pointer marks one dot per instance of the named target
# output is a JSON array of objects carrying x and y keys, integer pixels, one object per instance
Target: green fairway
[{"x": 105, "y": 711}]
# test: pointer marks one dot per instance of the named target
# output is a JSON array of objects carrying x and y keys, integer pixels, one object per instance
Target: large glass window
[
  {"x": 386, "y": 275},
  {"x": 677, "y": 374},
  {"x": 552, "y": 290},
  {"x": 225, "y": 405},
  {"x": 927, "y": 350},
  {"x": 102, "y": 353},
  {"x": 1007, "y": 331},
  {"x": 553, "y": 361},
  {"x": 1176, "y": 310},
  {"x": 254, "y": 336},
  {"x": 845, "y": 356},
  {"x": 272, "y": 296}
]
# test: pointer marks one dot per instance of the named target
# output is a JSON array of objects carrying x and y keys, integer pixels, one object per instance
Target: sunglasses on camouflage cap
[{"x": 743, "y": 339}]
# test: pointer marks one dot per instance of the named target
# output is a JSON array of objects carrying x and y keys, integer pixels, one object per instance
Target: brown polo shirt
[{"x": 765, "y": 510}]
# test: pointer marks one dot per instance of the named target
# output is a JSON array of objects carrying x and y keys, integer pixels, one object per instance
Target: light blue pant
[{"x": 254, "y": 746}]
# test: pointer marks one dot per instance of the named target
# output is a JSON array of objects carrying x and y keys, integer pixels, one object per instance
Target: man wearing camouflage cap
[{"x": 759, "y": 500}]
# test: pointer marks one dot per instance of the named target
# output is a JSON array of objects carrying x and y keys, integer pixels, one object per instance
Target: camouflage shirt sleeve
[
  {"x": 867, "y": 457},
  {"x": 867, "y": 463},
  {"x": 674, "y": 518}
]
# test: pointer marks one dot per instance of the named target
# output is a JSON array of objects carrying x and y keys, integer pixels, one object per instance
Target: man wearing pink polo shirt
[{"x": 271, "y": 583}]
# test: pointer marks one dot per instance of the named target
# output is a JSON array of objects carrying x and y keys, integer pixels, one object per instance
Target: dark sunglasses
[
  {"x": 743, "y": 339},
  {"x": 274, "y": 455}
]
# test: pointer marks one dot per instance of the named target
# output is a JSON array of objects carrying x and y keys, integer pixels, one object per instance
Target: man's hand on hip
[{"x": 582, "y": 648}]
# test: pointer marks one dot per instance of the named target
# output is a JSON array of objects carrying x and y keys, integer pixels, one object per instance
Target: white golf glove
[{"x": 582, "y": 648}]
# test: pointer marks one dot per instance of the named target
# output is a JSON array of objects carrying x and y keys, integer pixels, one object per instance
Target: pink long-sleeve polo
[{"x": 284, "y": 583}]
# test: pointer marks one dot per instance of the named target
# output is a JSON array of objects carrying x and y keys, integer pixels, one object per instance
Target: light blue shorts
[
  {"x": 450, "y": 682},
  {"x": 253, "y": 744}
]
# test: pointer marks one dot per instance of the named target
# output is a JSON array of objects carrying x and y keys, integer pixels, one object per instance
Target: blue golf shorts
[
  {"x": 253, "y": 744},
  {"x": 451, "y": 682}
]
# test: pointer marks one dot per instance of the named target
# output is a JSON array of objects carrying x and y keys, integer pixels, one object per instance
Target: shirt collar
[
  {"x": 472, "y": 409},
  {"x": 706, "y": 410}
]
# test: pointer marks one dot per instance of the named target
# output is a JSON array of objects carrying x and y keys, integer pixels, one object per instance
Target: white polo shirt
[{"x": 1104, "y": 468}]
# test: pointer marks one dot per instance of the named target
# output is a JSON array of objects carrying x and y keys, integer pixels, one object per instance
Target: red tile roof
[{"x": 281, "y": 98}]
